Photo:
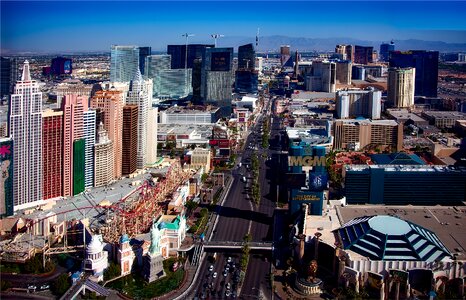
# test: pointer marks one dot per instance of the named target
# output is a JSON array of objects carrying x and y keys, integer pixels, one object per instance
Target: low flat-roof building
[
  {"x": 404, "y": 116},
  {"x": 190, "y": 115},
  {"x": 444, "y": 119}
]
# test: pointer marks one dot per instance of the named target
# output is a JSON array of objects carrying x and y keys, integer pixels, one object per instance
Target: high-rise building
[
  {"x": 400, "y": 86},
  {"x": 73, "y": 132},
  {"x": 124, "y": 61},
  {"x": 346, "y": 52},
  {"x": 246, "y": 81},
  {"x": 26, "y": 132},
  {"x": 52, "y": 153},
  {"x": 358, "y": 103},
  {"x": 61, "y": 66},
  {"x": 151, "y": 137},
  {"x": 167, "y": 83},
  {"x": 246, "y": 57},
  {"x": 216, "y": 78},
  {"x": 343, "y": 72},
  {"x": 178, "y": 54},
  {"x": 385, "y": 49},
  {"x": 104, "y": 155},
  {"x": 363, "y": 55},
  {"x": 6, "y": 182},
  {"x": 89, "y": 140},
  {"x": 129, "y": 158},
  {"x": 322, "y": 77},
  {"x": 139, "y": 94},
  {"x": 8, "y": 75},
  {"x": 426, "y": 65},
  {"x": 110, "y": 103},
  {"x": 143, "y": 53},
  {"x": 285, "y": 54},
  {"x": 357, "y": 134},
  {"x": 72, "y": 87}
]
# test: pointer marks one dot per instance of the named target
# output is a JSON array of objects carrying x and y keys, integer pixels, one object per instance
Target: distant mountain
[{"x": 273, "y": 43}]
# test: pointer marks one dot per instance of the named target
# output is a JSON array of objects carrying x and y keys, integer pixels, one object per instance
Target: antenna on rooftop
[{"x": 215, "y": 36}]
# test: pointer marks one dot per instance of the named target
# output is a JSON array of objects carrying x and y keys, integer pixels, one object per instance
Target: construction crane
[{"x": 215, "y": 36}]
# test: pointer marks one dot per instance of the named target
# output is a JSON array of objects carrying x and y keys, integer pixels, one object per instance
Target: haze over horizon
[{"x": 95, "y": 25}]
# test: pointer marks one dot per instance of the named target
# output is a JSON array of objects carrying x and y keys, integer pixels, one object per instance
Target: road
[{"x": 238, "y": 216}]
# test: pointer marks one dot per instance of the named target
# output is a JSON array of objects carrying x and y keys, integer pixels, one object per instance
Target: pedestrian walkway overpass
[
  {"x": 237, "y": 245},
  {"x": 83, "y": 285}
]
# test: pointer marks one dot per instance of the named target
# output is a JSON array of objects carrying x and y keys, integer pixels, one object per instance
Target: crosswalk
[{"x": 197, "y": 254}]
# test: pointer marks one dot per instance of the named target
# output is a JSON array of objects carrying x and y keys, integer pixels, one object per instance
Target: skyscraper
[
  {"x": 89, "y": 139},
  {"x": 400, "y": 86},
  {"x": 385, "y": 49},
  {"x": 129, "y": 158},
  {"x": 343, "y": 72},
  {"x": 143, "y": 53},
  {"x": 246, "y": 57},
  {"x": 124, "y": 61},
  {"x": 363, "y": 55},
  {"x": 322, "y": 77},
  {"x": 285, "y": 54},
  {"x": 61, "y": 66},
  {"x": 346, "y": 52},
  {"x": 110, "y": 103},
  {"x": 358, "y": 103},
  {"x": 104, "y": 154},
  {"x": 178, "y": 54},
  {"x": 8, "y": 75},
  {"x": 426, "y": 64},
  {"x": 52, "y": 139},
  {"x": 26, "y": 131},
  {"x": 73, "y": 132},
  {"x": 72, "y": 87},
  {"x": 138, "y": 94},
  {"x": 216, "y": 78}
]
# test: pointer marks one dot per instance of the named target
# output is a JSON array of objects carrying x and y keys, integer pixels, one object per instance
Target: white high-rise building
[
  {"x": 89, "y": 142},
  {"x": 400, "y": 87},
  {"x": 124, "y": 61},
  {"x": 151, "y": 140},
  {"x": 359, "y": 103},
  {"x": 140, "y": 94},
  {"x": 26, "y": 131}
]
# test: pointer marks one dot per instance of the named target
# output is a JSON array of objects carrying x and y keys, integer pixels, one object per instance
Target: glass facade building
[
  {"x": 426, "y": 65},
  {"x": 178, "y": 54},
  {"x": 124, "y": 61}
]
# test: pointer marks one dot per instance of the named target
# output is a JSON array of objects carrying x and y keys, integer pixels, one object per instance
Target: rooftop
[
  {"x": 405, "y": 168},
  {"x": 191, "y": 109},
  {"x": 446, "y": 222}
]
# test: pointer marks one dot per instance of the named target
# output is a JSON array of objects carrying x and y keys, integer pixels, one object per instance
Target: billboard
[
  {"x": 220, "y": 61},
  {"x": 295, "y": 180},
  {"x": 67, "y": 66},
  {"x": 318, "y": 182},
  {"x": 374, "y": 280},
  {"x": 6, "y": 179}
]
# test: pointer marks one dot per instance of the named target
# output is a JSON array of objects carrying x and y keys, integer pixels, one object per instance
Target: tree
[
  {"x": 61, "y": 285},
  {"x": 191, "y": 205},
  {"x": 5, "y": 285},
  {"x": 112, "y": 271},
  {"x": 204, "y": 212},
  {"x": 204, "y": 177}
]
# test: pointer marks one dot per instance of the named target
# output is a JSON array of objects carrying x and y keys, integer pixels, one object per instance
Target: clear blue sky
[{"x": 90, "y": 25}]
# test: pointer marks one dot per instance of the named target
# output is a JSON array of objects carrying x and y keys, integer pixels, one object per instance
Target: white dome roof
[{"x": 95, "y": 246}]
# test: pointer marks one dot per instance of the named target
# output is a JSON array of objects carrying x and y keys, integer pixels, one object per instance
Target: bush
[
  {"x": 61, "y": 285},
  {"x": 112, "y": 271}
]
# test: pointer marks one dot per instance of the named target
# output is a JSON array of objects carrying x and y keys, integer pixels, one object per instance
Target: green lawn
[{"x": 135, "y": 287}]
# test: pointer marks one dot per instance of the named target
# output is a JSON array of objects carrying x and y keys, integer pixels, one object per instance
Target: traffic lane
[
  {"x": 256, "y": 278},
  {"x": 24, "y": 280}
]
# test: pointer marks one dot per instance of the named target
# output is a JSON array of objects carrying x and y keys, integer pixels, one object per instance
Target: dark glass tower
[
  {"x": 143, "y": 53},
  {"x": 246, "y": 57},
  {"x": 178, "y": 54},
  {"x": 363, "y": 55},
  {"x": 385, "y": 50},
  {"x": 426, "y": 64}
]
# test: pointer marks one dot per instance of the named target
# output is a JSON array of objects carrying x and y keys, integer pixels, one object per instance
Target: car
[
  {"x": 44, "y": 287},
  {"x": 227, "y": 268},
  {"x": 227, "y": 293},
  {"x": 228, "y": 286},
  {"x": 229, "y": 259},
  {"x": 244, "y": 179},
  {"x": 214, "y": 275},
  {"x": 225, "y": 274},
  {"x": 211, "y": 268},
  {"x": 32, "y": 287}
]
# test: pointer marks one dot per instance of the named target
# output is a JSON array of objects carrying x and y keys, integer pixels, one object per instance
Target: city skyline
[{"x": 95, "y": 25}]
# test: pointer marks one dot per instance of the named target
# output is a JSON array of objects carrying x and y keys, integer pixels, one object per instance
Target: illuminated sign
[
  {"x": 220, "y": 61},
  {"x": 294, "y": 161},
  {"x": 306, "y": 198}
]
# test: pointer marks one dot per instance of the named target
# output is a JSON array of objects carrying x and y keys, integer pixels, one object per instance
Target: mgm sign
[{"x": 296, "y": 161}]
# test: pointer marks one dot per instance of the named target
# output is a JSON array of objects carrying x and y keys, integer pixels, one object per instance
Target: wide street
[{"x": 239, "y": 216}]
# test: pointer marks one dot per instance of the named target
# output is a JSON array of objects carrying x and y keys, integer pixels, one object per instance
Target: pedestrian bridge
[{"x": 237, "y": 245}]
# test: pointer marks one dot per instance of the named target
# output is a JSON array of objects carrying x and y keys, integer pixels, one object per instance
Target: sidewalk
[{"x": 190, "y": 271}]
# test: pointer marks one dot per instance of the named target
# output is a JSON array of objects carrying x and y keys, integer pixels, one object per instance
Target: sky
[{"x": 95, "y": 25}]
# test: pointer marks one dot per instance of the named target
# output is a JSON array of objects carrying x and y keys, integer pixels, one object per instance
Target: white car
[
  {"x": 229, "y": 259},
  {"x": 214, "y": 275},
  {"x": 211, "y": 268}
]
